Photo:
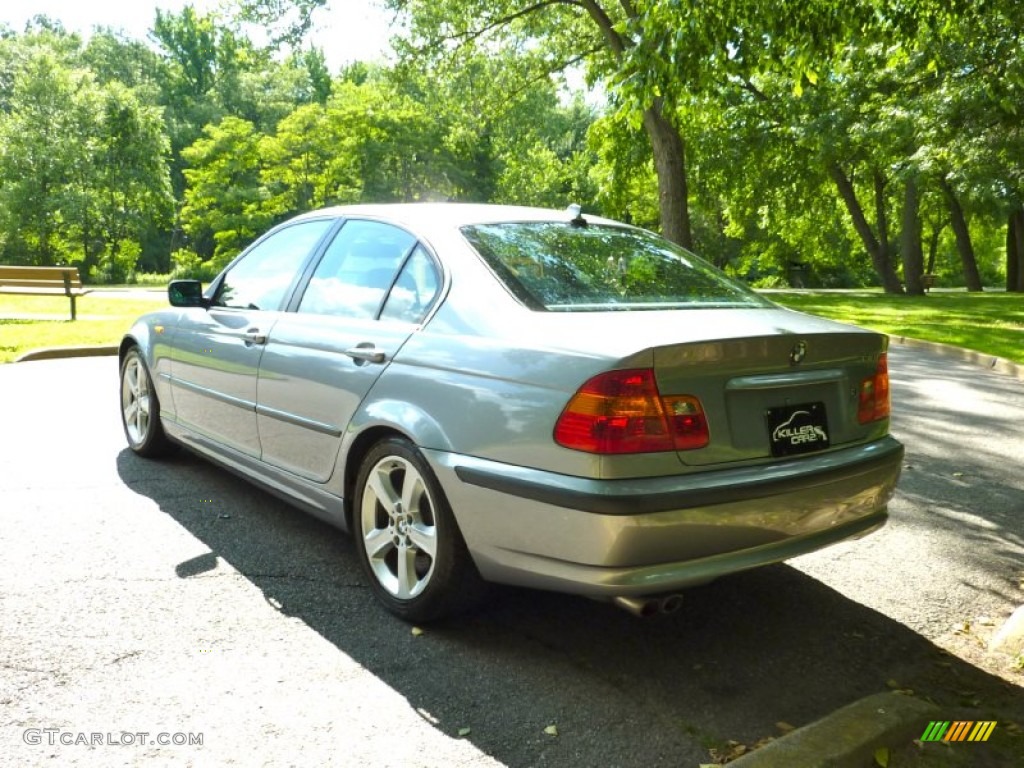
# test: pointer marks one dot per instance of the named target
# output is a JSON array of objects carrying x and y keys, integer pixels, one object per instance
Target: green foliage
[
  {"x": 192, "y": 43},
  {"x": 83, "y": 163},
  {"x": 624, "y": 172},
  {"x": 130, "y": 179},
  {"x": 189, "y": 265},
  {"x": 152, "y": 279},
  {"x": 225, "y": 196},
  {"x": 101, "y": 141},
  {"x": 287, "y": 20},
  {"x": 116, "y": 266}
]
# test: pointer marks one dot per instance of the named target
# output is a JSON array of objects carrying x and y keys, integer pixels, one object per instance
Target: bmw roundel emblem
[{"x": 798, "y": 353}]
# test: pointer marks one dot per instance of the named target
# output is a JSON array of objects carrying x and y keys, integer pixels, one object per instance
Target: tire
[
  {"x": 140, "y": 409},
  {"x": 409, "y": 544}
]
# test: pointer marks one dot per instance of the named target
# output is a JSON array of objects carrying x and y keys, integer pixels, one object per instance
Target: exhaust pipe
[
  {"x": 670, "y": 603},
  {"x": 645, "y": 607}
]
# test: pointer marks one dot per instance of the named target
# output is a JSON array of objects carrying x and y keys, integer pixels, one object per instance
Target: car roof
[{"x": 449, "y": 215}]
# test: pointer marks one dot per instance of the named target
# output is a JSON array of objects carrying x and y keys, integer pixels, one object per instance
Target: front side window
[
  {"x": 261, "y": 278},
  {"x": 357, "y": 270},
  {"x": 557, "y": 266}
]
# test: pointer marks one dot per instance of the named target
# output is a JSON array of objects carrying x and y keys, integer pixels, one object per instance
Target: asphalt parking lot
[{"x": 173, "y": 600}]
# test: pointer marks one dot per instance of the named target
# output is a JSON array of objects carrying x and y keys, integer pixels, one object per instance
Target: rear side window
[
  {"x": 557, "y": 266},
  {"x": 414, "y": 290},
  {"x": 357, "y": 270}
]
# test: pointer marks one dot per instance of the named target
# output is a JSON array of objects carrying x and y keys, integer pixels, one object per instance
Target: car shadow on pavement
[{"x": 742, "y": 656}]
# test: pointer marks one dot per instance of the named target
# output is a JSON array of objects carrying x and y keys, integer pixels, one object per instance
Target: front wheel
[
  {"x": 140, "y": 409},
  {"x": 409, "y": 544}
]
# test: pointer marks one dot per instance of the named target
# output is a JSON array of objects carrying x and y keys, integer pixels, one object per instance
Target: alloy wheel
[{"x": 398, "y": 527}]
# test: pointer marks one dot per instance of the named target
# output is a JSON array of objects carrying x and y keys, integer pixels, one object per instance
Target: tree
[
  {"x": 1015, "y": 251},
  {"x": 781, "y": 155},
  {"x": 190, "y": 42},
  {"x": 223, "y": 207},
  {"x": 287, "y": 21},
  {"x": 114, "y": 58},
  {"x": 40, "y": 145},
  {"x": 131, "y": 182},
  {"x": 311, "y": 161},
  {"x": 975, "y": 138},
  {"x": 503, "y": 137},
  {"x": 623, "y": 171},
  {"x": 572, "y": 32}
]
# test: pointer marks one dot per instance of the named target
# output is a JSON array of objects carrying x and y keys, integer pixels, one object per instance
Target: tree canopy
[{"x": 818, "y": 142}]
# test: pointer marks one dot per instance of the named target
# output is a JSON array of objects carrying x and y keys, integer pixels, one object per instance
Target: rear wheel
[
  {"x": 409, "y": 544},
  {"x": 140, "y": 409}
]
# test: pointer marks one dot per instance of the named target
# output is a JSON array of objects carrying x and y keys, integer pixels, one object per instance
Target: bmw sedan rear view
[{"x": 531, "y": 397}]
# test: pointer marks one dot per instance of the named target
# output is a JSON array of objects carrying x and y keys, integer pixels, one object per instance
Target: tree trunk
[
  {"x": 910, "y": 239},
  {"x": 666, "y": 143},
  {"x": 878, "y": 251},
  {"x": 90, "y": 249},
  {"x": 881, "y": 218},
  {"x": 45, "y": 251},
  {"x": 963, "y": 239},
  {"x": 933, "y": 246},
  {"x": 670, "y": 167},
  {"x": 1015, "y": 251}
]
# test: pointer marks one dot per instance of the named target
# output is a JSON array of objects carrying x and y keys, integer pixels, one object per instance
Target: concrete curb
[
  {"x": 1009, "y": 638},
  {"x": 848, "y": 737},
  {"x": 981, "y": 359},
  {"x": 53, "y": 353}
]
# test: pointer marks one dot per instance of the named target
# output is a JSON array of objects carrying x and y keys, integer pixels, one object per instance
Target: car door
[
  {"x": 370, "y": 290},
  {"x": 216, "y": 354}
]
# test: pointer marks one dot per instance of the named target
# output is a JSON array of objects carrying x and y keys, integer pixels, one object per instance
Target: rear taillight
[
  {"x": 623, "y": 412},
  {"x": 686, "y": 422},
  {"x": 873, "y": 402}
]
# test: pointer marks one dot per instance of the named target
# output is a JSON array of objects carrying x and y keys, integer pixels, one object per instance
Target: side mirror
[{"x": 186, "y": 293}]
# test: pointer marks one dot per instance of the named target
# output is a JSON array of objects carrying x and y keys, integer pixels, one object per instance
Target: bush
[
  {"x": 771, "y": 281},
  {"x": 153, "y": 279},
  {"x": 116, "y": 268},
  {"x": 189, "y": 265}
]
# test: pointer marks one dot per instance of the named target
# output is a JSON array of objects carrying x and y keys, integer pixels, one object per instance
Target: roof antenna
[{"x": 575, "y": 211}]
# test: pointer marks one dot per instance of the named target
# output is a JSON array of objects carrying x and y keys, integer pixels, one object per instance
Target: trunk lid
[
  {"x": 776, "y": 395},
  {"x": 747, "y": 367}
]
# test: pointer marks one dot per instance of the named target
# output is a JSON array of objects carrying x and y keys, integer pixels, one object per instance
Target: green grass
[
  {"x": 100, "y": 320},
  {"x": 992, "y": 323}
]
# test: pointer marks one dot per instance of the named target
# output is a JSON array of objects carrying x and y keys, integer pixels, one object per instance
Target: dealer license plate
[{"x": 795, "y": 429}]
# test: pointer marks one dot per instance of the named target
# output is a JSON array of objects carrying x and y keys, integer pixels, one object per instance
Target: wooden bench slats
[
  {"x": 43, "y": 281},
  {"x": 39, "y": 272},
  {"x": 37, "y": 284}
]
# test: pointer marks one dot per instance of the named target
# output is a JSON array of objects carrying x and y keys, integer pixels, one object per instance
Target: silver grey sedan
[{"x": 531, "y": 397}]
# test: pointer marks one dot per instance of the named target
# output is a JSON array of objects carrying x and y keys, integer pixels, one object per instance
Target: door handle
[
  {"x": 366, "y": 353},
  {"x": 254, "y": 336}
]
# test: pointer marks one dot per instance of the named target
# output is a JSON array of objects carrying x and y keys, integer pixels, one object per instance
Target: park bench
[
  {"x": 927, "y": 282},
  {"x": 43, "y": 281}
]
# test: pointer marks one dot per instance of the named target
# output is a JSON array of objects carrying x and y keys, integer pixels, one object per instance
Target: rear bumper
[{"x": 634, "y": 537}]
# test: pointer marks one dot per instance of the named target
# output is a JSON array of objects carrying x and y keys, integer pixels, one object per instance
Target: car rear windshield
[{"x": 560, "y": 266}]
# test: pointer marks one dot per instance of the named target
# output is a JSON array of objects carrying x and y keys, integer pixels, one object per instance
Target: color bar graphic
[
  {"x": 958, "y": 730},
  {"x": 982, "y": 730}
]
